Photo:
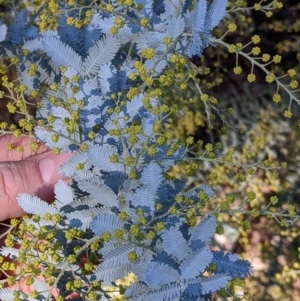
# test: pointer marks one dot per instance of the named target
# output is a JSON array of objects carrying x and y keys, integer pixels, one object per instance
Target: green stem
[{"x": 256, "y": 63}]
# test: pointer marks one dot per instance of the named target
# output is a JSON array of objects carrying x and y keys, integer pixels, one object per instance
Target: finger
[
  {"x": 24, "y": 142},
  {"x": 35, "y": 175}
]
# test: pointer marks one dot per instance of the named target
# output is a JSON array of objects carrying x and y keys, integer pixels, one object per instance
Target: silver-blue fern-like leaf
[
  {"x": 3, "y": 32},
  {"x": 7, "y": 294},
  {"x": 63, "y": 194},
  {"x": 174, "y": 243},
  {"x": 195, "y": 263},
  {"x": 203, "y": 232},
  {"x": 34, "y": 205},
  {"x": 158, "y": 273},
  {"x": 61, "y": 53},
  {"x": 203, "y": 22},
  {"x": 17, "y": 29},
  {"x": 231, "y": 265},
  {"x": 105, "y": 222},
  {"x": 200, "y": 286},
  {"x": 102, "y": 52},
  {"x": 215, "y": 14}
]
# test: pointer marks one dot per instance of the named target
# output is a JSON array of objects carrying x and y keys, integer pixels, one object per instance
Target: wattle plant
[{"x": 122, "y": 213}]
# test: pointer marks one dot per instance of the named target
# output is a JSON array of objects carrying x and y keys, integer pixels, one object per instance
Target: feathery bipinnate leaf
[
  {"x": 158, "y": 273},
  {"x": 205, "y": 285},
  {"x": 12, "y": 253},
  {"x": 173, "y": 7},
  {"x": 134, "y": 105},
  {"x": 3, "y": 32},
  {"x": 68, "y": 168},
  {"x": 17, "y": 29},
  {"x": 41, "y": 287},
  {"x": 213, "y": 283},
  {"x": 80, "y": 39},
  {"x": 176, "y": 27},
  {"x": 215, "y": 14},
  {"x": 117, "y": 255},
  {"x": 167, "y": 292},
  {"x": 102, "y": 52},
  {"x": 195, "y": 263},
  {"x": 200, "y": 11},
  {"x": 81, "y": 215},
  {"x": 231, "y": 264},
  {"x": 136, "y": 289},
  {"x": 144, "y": 198},
  {"x": 152, "y": 176},
  {"x": 108, "y": 78},
  {"x": 192, "y": 193},
  {"x": 34, "y": 205},
  {"x": 31, "y": 32},
  {"x": 99, "y": 156},
  {"x": 63, "y": 194},
  {"x": 174, "y": 243},
  {"x": 61, "y": 54},
  {"x": 100, "y": 192},
  {"x": 203, "y": 22},
  {"x": 7, "y": 294},
  {"x": 105, "y": 222},
  {"x": 204, "y": 231},
  {"x": 111, "y": 273}
]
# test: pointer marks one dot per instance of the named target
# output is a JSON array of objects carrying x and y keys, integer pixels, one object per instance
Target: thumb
[{"x": 34, "y": 175}]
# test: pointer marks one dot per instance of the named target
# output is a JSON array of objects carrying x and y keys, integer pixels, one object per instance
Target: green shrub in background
[{"x": 239, "y": 155}]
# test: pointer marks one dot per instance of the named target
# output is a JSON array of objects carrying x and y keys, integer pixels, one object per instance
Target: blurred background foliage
[{"x": 248, "y": 149}]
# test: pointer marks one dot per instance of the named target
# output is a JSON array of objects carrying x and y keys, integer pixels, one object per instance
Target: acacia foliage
[{"x": 100, "y": 105}]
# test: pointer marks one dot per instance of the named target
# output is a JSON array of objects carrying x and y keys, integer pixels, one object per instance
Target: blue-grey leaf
[
  {"x": 31, "y": 32},
  {"x": 158, "y": 273},
  {"x": 175, "y": 27},
  {"x": 99, "y": 191},
  {"x": 231, "y": 264},
  {"x": 7, "y": 294},
  {"x": 204, "y": 231},
  {"x": 102, "y": 52},
  {"x": 34, "y": 205},
  {"x": 173, "y": 8},
  {"x": 17, "y": 28},
  {"x": 167, "y": 292},
  {"x": 215, "y": 14},
  {"x": 195, "y": 263},
  {"x": 152, "y": 176},
  {"x": 214, "y": 282},
  {"x": 111, "y": 273},
  {"x": 144, "y": 198},
  {"x": 63, "y": 194},
  {"x": 3, "y": 32},
  {"x": 119, "y": 255},
  {"x": 174, "y": 243},
  {"x": 199, "y": 17},
  {"x": 107, "y": 78},
  {"x": 99, "y": 156},
  {"x": 61, "y": 53},
  {"x": 105, "y": 222},
  {"x": 11, "y": 253},
  {"x": 136, "y": 289}
]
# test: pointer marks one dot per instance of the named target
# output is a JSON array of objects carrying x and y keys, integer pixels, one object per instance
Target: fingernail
[
  {"x": 46, "y": 167},
  {"x": 49, "y": 167}
]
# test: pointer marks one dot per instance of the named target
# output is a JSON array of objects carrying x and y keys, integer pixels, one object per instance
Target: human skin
[{"x": 31, "y": 172}]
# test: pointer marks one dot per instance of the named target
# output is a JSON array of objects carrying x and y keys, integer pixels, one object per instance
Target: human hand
[{"x": 31, "y": 172}]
